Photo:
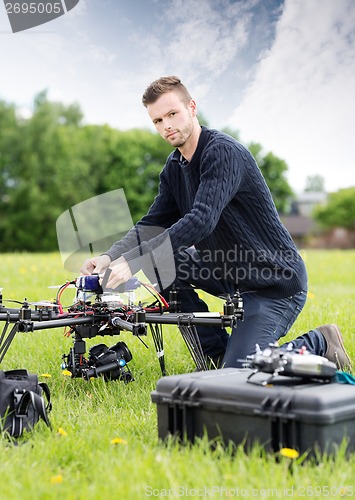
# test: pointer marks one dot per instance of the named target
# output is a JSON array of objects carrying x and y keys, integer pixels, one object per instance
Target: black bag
[{"x": 21, "y": 402}]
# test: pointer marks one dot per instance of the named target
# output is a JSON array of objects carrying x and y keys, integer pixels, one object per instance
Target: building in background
[{"x": 304, "y": 229}]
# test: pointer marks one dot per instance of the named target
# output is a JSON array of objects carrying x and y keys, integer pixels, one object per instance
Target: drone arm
[
  {"x": 183, "y": 319},
  {"x": 30, "y": 326},
  {"x": 14, "y": 315},
  {"x": 135, "y": 328}
]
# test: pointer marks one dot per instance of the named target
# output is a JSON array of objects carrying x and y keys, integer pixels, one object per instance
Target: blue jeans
[{"x": 266, "y": 320}]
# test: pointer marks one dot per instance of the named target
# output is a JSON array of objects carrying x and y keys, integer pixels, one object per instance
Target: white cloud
[
  {"x": 197, "y": 40},
  {"x": 206, "y": 35},
  {"x": 300, "y": 104},
  {"x": 104, "y": 56}
]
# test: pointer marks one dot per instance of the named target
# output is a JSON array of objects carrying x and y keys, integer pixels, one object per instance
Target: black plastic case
[{"x": 287, "y": 413}]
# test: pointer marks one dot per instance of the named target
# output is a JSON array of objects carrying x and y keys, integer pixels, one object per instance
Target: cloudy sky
[{"x": 282, "y": 73}]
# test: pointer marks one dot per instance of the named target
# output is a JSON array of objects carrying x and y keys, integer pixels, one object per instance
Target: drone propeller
[
  {"x": 13, "y": 301},
  {"x": 43, "y": 303},
  {"x": 24, "y": 303}
]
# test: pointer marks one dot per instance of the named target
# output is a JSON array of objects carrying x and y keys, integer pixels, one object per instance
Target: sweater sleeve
[{"x": 221, "y": 168}]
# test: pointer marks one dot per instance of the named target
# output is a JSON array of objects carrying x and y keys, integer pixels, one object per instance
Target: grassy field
[{"x": 104, "y": 442}]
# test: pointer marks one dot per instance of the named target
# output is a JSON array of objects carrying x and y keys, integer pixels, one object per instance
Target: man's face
[{"x": 172, "y": 118}]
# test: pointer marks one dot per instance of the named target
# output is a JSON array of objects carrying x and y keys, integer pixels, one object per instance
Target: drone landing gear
[
  {"x": 192, "y": 341},
  {"x": 157, "y": 334},
  {"x": 5, "y": 342}
]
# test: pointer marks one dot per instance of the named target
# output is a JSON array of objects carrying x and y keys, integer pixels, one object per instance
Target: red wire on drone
[
  {"x": 59, "y": 294},
  {"x": 156, "y": 294}
]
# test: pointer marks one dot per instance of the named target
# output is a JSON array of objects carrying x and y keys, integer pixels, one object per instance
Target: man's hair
[{"x": 164, "y": 85}]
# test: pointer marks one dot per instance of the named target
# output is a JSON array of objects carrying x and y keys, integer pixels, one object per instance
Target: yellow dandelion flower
[
  {"x": 118, "y": 441},
  {"x": 67, "y": 373},
  {"x": 62, "y": 432},
  {"x": 310, "y": 295},
  {"x": 289, "y": 453},
  {"x": 57, "y": 479},
  {"x": 47, "y": 375}
]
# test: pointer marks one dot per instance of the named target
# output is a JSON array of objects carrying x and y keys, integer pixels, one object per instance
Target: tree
[
  {"x": 315, "y": 184},
  {"x": 51, "y": 162},
  {"x": 9, "y": 140},
  {"x": 131, "y": 160},
  {"x": 339, "y": 210},
  {"x": 274, "y": 170},
  {"x": 41, "y": 177}
]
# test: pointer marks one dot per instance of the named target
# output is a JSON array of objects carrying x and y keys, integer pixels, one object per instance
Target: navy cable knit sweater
[{"x": 219, "y": 202}]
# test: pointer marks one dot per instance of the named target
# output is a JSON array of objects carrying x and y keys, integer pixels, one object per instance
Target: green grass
[{"x": 86, "y": 464}]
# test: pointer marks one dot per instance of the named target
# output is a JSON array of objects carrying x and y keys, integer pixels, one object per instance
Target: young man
[{"x": 225, "y": 233}]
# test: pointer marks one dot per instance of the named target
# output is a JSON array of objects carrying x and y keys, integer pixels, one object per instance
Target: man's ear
[{"x": 193, "y": 107}]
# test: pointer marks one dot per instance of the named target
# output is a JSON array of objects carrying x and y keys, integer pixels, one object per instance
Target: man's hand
[
  {"x": 95, "y": 265},
  {"x": 119, "y": 272}
]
